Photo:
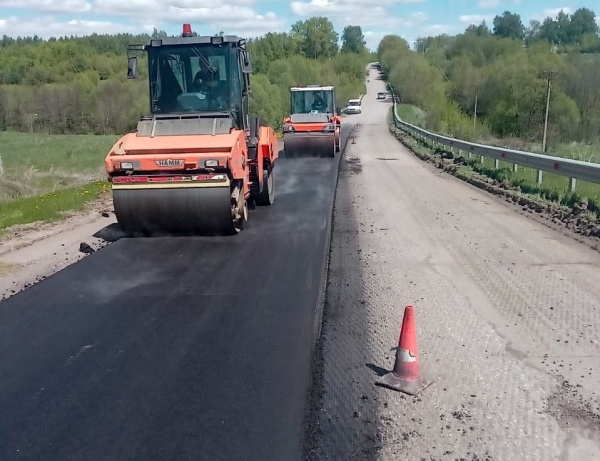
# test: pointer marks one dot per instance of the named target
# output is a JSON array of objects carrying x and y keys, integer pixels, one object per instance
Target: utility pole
[
  {"x": 475, "y": 112},
  {"x": 548, "y": 75}
]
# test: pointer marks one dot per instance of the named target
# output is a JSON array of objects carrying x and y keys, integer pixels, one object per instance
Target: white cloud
[
  {"x": 419, "y": 16},
  {"x": 49, "y": 6},
  {"x": 353, "y": 10},
  {"x": 234, "y": 17},
  {"x": 552, "y": 13},
  {"x": 488, "y": 4},
  {"x": 373, "y": 38},
  {"x": 154, "y": 7},
  {"x": 314, "y": 7},
  {"x": 439, "y": 29},
  {"x": 363, "y": 12},
  {"x": 48, "y": 26},
  {"x": 474, "y": 18}
]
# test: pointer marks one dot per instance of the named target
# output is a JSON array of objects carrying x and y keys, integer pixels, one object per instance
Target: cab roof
[
  {"x": 312, "y": 88},
  {"x": 198, "y": 40}
]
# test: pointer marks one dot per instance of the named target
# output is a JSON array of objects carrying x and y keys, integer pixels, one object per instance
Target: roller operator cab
[
  {"x": 196, "y": 163},
  {"x": 314, "y": 125}
]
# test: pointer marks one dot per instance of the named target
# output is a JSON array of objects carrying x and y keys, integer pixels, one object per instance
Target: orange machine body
[{"x": 183, "y": 159}]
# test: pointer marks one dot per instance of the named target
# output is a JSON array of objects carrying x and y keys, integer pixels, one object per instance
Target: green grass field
[
  {"x": 411, "y": 114},
  {"x": 44, "y": 175}
]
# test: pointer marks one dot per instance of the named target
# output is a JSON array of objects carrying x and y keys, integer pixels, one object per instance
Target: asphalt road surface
[
  {"x": 507, "y": 311},
  {"x": 174, "y": 348}
]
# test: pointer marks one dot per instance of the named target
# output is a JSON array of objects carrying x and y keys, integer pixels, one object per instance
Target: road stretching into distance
[{"x": 200, "y": 348}]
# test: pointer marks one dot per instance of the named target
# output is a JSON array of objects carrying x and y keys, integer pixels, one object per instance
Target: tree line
[
  {"x": 78, "y": 85},
  {"x": 494, "y": 82}
]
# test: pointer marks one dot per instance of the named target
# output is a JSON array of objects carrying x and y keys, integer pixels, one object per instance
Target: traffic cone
[{"x": 406, "y": 375}]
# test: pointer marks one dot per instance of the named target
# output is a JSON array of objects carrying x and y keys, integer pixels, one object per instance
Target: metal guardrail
[{"x": 573, "y": 169}]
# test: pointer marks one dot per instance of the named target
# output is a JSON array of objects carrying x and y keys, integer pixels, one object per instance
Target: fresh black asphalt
[{"x": 175, "y": 348}]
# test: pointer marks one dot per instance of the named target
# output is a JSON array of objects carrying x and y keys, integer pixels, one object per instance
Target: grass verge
[
  {"x": 44, "y": 176},
  {"x": 411, "y": 114},
  {"x": 50, "y": 206},
  {"x": 35, "y": 164}
]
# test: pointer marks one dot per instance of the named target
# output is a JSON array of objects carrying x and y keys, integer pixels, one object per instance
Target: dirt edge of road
[
  {"x": 29, "y": 253},
  {"x": 571, "y": 222}
]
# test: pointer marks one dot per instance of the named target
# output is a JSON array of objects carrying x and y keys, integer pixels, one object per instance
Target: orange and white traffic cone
[{"x": 406, "y": 375}]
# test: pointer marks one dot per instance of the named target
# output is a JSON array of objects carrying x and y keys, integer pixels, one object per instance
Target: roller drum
[
  {"x": 186, "y": 210},
  {"x": 309, "y": 145}
]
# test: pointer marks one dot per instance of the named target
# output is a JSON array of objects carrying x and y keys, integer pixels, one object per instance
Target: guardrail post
[
  {"x": 515, "y": 167},
  {"x": 481, "y": 159},
  {"x": 496, "y": 163},
  {"x": 539, "y": 176},
  {"x": 572, "y": 184}
]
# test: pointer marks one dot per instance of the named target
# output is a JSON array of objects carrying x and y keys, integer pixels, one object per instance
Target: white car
[{"x": 353, "y": 106}]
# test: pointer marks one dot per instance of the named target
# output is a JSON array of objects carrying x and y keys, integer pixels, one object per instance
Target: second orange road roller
[
  {"x": 199, "y": 161},
  {"x": 314, "y": 125}
]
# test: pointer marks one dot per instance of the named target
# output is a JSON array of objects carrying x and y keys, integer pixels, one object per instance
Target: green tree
[
  {"x": 271, "y": 47},
  {"x": 317, "y": 37},
  {"x": 353, "y": 40},
  {"x": 73, "y": 85},
  {"x": 550, "y": 31},
  {"x": 563, "y": 22},
  {"x": 482, "y": 30},
  {"x": 583, "y": 22},
  {"x": 509, "y": 25}
]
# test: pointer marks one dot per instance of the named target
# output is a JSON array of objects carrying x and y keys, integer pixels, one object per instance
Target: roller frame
[
  {"x": 299, "y": 144},
  {"x": 180, "y": 208}
]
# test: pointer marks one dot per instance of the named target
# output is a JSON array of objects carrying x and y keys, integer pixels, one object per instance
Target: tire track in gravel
[
  {"x": 485, "y": 403},
  {"x": 557, "y": 296},
  {"x": 549, "y": 313},
  {"x": 459, "y": 417},
  {"x": 545, "y": 302}
]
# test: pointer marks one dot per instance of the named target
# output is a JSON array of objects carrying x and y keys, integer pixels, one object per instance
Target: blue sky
[{"x": 250, "y": 18}]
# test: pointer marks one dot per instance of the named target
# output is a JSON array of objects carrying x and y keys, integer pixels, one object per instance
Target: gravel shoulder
[
  {"x": 29, "y": 253},
  {"x": 508, "y": 317}
]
